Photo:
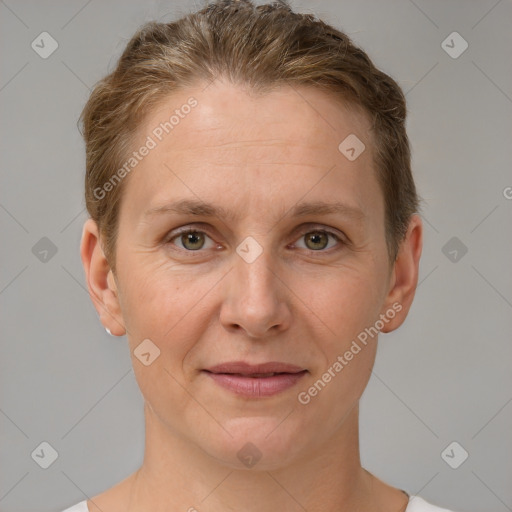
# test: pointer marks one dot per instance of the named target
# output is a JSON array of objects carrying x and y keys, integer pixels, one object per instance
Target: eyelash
[{"x": 186, "y": 230}]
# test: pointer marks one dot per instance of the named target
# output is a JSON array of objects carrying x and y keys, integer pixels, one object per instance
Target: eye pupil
[
  {"x": 317, "y": 238},
  {"x": 194, "y": 238}
]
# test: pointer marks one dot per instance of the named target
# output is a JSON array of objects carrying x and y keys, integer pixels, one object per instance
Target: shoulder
[
  {"x": 418, "y": 504},
  {"x": 79, "y": 507}
]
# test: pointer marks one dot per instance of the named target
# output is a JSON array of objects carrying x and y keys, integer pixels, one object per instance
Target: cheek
[
  {"x": 348, "y": 302},
  {"x": 350, "y": 306},
  {"x": 164, "y": 306},
  {"x": 165, "y": 309}
]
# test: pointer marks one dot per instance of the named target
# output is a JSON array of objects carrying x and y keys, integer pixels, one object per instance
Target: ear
[
  {"x": 404, "y": 276},
  {"x": 100, "y": 280}
]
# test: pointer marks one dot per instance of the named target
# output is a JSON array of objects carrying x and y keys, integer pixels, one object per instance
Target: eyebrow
[{"x": 200, "y": 208}]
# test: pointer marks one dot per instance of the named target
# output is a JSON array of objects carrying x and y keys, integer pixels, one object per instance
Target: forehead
[
  {"x": 286, "y": 115},
  {"x": 224, "y": 138}
]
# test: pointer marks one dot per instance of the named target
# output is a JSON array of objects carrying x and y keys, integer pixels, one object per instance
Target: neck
[{"x": 177, "y": 474}]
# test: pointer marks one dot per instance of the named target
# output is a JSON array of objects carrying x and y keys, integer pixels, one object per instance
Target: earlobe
[
  {"x": 404, "y": 278},
  {"x": 100, "y": 280}
]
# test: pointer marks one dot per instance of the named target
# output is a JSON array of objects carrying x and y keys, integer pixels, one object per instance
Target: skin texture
[{"x": 256, "y": 156}]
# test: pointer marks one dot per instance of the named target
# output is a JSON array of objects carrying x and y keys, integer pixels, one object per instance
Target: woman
[{"x": 252, "y": 229}]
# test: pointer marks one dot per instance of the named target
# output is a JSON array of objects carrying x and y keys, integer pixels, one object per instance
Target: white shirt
[{"x": 416, "y": 504}]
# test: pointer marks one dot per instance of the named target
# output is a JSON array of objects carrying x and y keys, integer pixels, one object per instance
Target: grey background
[{"x": 444, "y": 376}]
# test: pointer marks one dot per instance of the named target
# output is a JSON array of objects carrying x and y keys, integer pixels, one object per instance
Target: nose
[{"x": 256, "y": 298}]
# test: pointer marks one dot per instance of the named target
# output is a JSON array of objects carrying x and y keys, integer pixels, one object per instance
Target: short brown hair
[{"x": 259, "y": 47}]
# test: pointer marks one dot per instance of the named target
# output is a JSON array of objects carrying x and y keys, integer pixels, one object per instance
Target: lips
[
  {"x": 256, "y": 381},
  {"x": 255, "y": 370}
]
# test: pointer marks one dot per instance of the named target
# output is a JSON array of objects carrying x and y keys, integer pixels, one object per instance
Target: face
[{"x": 264, "y": 275}]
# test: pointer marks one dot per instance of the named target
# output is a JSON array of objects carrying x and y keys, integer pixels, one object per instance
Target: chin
[{"x": 258, "y": 443}]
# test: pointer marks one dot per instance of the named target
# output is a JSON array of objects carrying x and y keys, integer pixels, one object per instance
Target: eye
[
  {"x": 191, "y": 240},
  {"x": 194, "y": 240},
  {"x": 318, "y": 240}
]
